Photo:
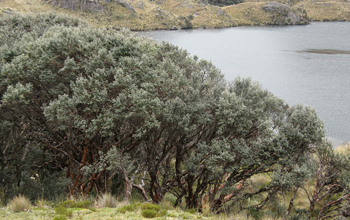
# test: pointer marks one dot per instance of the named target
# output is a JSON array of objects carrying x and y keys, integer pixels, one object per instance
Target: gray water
[{"x": 300, "y": 64}]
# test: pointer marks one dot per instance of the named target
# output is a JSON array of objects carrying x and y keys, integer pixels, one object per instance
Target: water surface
[{"x": 300, "y": 64}]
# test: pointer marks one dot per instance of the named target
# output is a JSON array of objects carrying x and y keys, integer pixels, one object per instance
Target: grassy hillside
[
  {"x": 182, "y": 14},
  {"x": 145, "y": 15},
  {"x": 326, "y": 10}
]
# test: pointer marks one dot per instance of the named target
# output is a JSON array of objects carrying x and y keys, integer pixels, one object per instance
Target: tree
[
  {"x": 23, "y": 164},
  {"x": 331, "y": 179},
  {"x": 101, "y": 103},
  {"x": 250, "y": 132}
]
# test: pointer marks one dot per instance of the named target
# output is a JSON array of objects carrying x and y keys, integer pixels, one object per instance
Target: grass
[
  {"x": 107, "y": 200},
  {"x": 19, "y": 204},
  {"x": 83, "y": 208},
  {"x": 177, "y": 14},
  {"x": 74, "y": 210},
  {"x": 250, "y": 13},
  {"x": 41, "y": 203},
  {"x": 326, "y": 10}
]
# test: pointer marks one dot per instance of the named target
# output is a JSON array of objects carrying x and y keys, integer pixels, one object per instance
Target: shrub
[
  {"x": 60, "y": 210},
  {"x": 129, "y": 208},
  {"x": 19, "y": 203},
  {"x": 150, "y": 206},
  {"x": 67, "y": 204},
  {"x": 107, "y": 200},
  {"x": 60, "y": 217},
  {"x": 149, "y": 213}
]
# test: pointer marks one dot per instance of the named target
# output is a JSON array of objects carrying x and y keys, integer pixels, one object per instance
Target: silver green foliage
[{"x": 95, "y": 103}]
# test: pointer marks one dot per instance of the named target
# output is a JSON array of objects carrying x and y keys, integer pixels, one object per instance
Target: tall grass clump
[
  {"x": 107, "y": 200},
  {"x": 41, "y": 203},
  {"x": 19, "y": 204}
]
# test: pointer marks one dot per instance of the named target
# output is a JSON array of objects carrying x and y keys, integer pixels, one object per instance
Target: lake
[{"x": 300, "y": 64}]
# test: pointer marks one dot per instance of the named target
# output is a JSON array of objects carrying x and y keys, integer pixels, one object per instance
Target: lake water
[{"x": 300, "y": 64}]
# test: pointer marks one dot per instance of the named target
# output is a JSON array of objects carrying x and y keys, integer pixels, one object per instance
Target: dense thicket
[
  {"x": 23, "y": 163},
  {"x": 104, "y": 106}
]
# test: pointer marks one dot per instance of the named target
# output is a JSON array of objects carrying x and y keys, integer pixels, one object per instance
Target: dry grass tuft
[
  {"x": 42, "y": 203},
  {"x": 19, "y": 204},
  {"x": 107, "y": 200}
]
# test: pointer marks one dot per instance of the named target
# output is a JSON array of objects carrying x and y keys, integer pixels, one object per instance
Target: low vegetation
[
  {"x": 178, "y": 14},
  {"x": 87, "y": 111},
  {"x": 107, "y": 200},
  {"x": 19, "y": 204},
  {"x": 321, "y": 10}
]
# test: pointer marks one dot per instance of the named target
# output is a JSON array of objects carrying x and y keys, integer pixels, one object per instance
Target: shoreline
[{"x": 336, "y": 142}]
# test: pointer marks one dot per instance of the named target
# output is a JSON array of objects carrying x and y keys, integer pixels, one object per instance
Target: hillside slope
[{"x": 182, "y": 14}]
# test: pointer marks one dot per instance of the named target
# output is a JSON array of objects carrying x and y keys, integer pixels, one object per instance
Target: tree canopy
[{"x": 100, "y": 105}]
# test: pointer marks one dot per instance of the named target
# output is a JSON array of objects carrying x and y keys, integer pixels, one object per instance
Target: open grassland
[
  {"x": 250, "y": 13},
  {"x": 180, "y": 14},
  {"x": 326, "y": 10},
  {"x": 146, "y": 15}
]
